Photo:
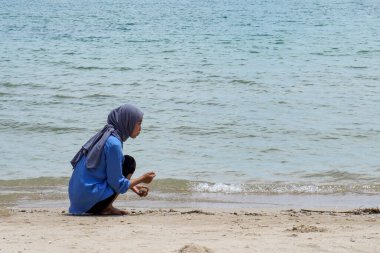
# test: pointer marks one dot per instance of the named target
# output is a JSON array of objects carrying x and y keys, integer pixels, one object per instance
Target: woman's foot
[{"x": 110, "y": 210}]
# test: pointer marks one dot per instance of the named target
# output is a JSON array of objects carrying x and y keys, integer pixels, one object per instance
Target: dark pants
[{"x": 129, "y": 166}]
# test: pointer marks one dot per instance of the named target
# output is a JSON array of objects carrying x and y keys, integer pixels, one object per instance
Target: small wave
[
  {"x": 188, "y": 186},
  {"x": 169, "y": 51},
  {"x": 357, "y": 67},
  {"x": 144, "y": 41},
  {"x": 9, "y": 84},
  {"x": 336, "y": 175},
  {"x": 92, "y": 38},
  {"x": 367, "y": 51},
  {"x": 360, "y": 136},
  {"x": 42, "y": 188},
  {"x": 97, "y": 95},
  {"x": 29, "y": 85},
  {"x": 55, "y": 188},
  {"x": 207, "y": 64},
  {"x": 60, "y": 63},
  {"x": 241, "y": 81},
  {"x": 123, "y": 28},
  {"x": 88, "y": 68},
  {"x": 270, "y": 150},
  {"x": 218, "y": 187},
  {"x": 284, "y": 188},
  {"x": 197, "y": 130},
  {"x": 38, "y": 127},
  {"x": 279, "y": 42},
  {"x": 123, "y": 68},
  {"x": 329, "y": 138},
  {"x": 35, "y": 182},
  {"x": 3, "y": 94},
  {"x": 246, "y": 136},
  {"x": 60, "y": 96},
  {"x": 262, "y": 35}
]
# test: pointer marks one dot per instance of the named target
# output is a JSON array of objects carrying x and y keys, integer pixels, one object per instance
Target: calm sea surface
[{"x": 277, "y": 96}]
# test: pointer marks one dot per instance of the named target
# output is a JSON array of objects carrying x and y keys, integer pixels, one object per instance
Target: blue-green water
[{"x": 262, "y": 96}]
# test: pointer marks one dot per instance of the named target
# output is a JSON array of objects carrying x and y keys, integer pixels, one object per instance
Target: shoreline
[
  {"x": 185, "y": 230},
  {"x": 219, "y": 201}
]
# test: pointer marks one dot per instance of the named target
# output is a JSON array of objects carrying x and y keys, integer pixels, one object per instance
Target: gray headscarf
[{"x": 120, "y": 123}]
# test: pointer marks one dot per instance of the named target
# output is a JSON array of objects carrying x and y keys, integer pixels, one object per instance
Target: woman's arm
[
  {"x": 115, "y": 178},
  {"x": 146, "y": 179}
]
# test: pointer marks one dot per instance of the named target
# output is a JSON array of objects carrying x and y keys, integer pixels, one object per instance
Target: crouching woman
[{"x": 100, "y": 170}]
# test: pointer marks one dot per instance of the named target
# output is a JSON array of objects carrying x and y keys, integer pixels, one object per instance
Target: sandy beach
[
  {"x": 191, "y": 230},
  {"x": 258, "y": 119}
]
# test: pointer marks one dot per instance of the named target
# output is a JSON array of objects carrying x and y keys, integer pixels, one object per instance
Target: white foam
[
  {"x": 217, "y": 187},
  {"x": 280, "y": 188}
]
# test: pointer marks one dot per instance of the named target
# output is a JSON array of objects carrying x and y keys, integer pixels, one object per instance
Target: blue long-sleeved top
[{"x": 89, "y": 186}]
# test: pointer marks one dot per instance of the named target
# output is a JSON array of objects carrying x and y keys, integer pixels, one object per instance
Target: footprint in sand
[{"x": 192, "y": 248}]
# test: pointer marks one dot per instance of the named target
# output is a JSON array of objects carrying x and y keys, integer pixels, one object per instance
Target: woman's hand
[
  {"x": 148, "y": 177},
  {"x": 141, "y": 190}
]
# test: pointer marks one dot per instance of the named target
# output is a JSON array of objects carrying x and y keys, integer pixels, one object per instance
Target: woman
[{"x": 101, "y": 172}]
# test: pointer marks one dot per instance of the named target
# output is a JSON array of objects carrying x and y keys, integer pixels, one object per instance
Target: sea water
[{"x": 264, "y": 97}]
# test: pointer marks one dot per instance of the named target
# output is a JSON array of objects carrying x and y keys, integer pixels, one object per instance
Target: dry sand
[{"x": 190, "y": 231}]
